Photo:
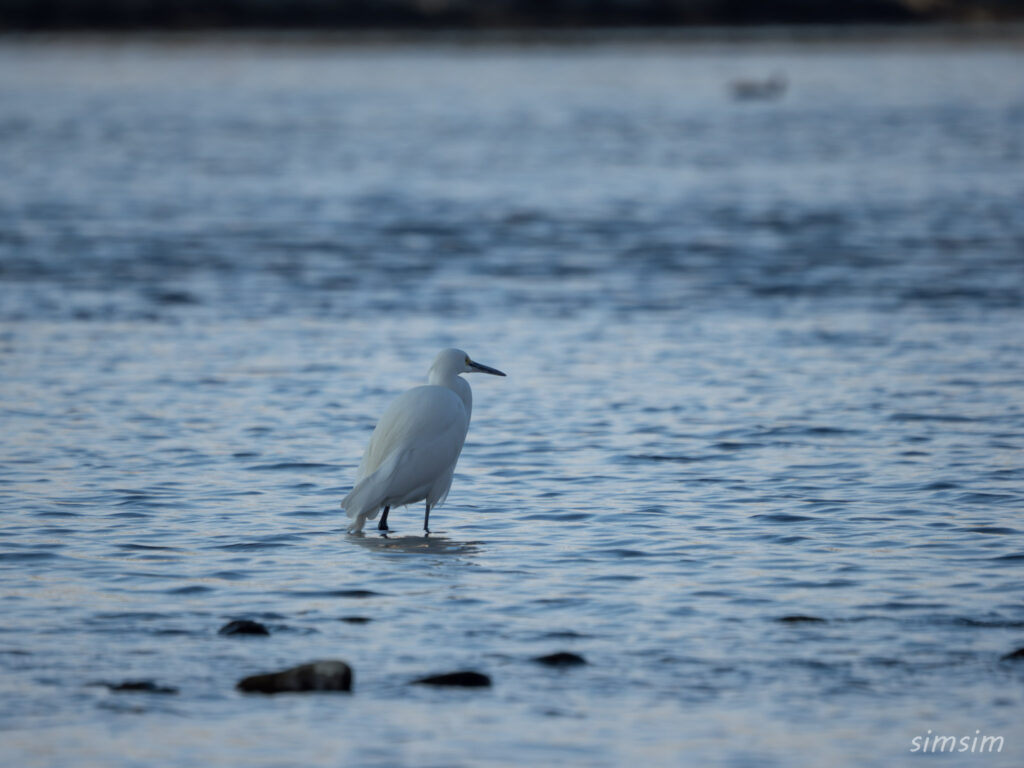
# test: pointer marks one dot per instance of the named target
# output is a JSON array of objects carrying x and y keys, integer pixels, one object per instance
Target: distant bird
[
  {"x": 751, "y": 89},
  {"x": 416, "y": 444}
]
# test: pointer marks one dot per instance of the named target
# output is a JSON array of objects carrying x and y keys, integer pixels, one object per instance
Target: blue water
[{"x": 765, "y": 360}]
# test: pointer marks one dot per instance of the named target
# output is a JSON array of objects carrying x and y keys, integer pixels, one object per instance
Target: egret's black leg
[
  {"x": 426, "y": 520},
  {"x": 383, "y": 524}
]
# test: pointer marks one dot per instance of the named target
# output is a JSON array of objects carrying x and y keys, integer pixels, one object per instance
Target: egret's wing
[
  {"x": 416, "y": 469},
  {"x": 416, "y": 442},
  {"x": 413, "y": 417},
  {"x": 406, "y": 475}
]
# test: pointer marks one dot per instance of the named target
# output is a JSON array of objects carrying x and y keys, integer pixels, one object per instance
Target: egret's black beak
[{"x": 485, "y": 369}]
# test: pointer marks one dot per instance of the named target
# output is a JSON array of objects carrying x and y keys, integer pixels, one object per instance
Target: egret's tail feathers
[
  {"x": 357, "y": 524},
  {"x": 363, "y": 502}
]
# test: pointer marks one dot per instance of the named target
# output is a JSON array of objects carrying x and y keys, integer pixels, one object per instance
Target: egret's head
[{"x": 452, "y": 362}]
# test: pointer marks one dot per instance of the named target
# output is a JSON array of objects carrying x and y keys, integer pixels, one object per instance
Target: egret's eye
[{"x": 467, "y": 361}]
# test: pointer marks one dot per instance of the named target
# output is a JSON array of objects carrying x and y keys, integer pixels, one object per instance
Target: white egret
[{"x": 416, "y": 444}]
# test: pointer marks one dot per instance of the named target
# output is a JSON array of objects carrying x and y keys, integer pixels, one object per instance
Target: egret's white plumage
[{"x": 416, "y": 444}]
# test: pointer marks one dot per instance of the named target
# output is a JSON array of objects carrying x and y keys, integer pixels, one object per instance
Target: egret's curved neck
[{"x": 455, "y": 383}]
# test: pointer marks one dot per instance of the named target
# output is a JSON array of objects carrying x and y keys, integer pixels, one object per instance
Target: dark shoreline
[{"x": 483, "y": 15}]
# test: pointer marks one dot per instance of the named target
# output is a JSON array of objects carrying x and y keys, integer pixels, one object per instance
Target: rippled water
[{"x": 765, "y": 361}]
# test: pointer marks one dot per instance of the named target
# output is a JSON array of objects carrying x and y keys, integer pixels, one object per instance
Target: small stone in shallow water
[
  {"x": 561, "y": 659},
  {"x": 800, "y": 619},
  {"x": 464, "y": 679},
  {"x": 140, "y": 686},
  {"x": 243, "y": 627},
  {"x": 356, "y": 619},
  {"x": 1017, "y": 655},
  {"x": 317, "y": 676}
]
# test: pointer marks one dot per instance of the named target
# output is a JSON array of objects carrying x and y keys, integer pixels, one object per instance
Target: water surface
[{"x": 765, "y": 361}]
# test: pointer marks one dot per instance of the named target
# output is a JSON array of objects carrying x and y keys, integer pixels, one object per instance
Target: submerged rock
[
  {"x": 243, "y": 627},
  {"x": 140, "y": 686},
  {"x": 561, "y": 659},
  {"x": 1017, "y": 655},
  {"x": 800, "y": 619},
  {"x": 317, "y": 676},
  {"x": 464, "y": 679}
]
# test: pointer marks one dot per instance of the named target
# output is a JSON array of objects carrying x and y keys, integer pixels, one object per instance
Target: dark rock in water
[
  {"x": 317, "y": 676},
  {"x": 465, "y": 679},
  {"x": 561, "y": 659},
  {"x": 356, "y": 619},
  {"x": 798, "y": 619},
  {"x": 243, "y": 627},
  {"x": 1017, "y": 655},
  {"x": 140, "y": 686}
]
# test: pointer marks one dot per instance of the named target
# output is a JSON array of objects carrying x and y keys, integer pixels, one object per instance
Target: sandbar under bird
[{"x": 416, "y": 444}]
